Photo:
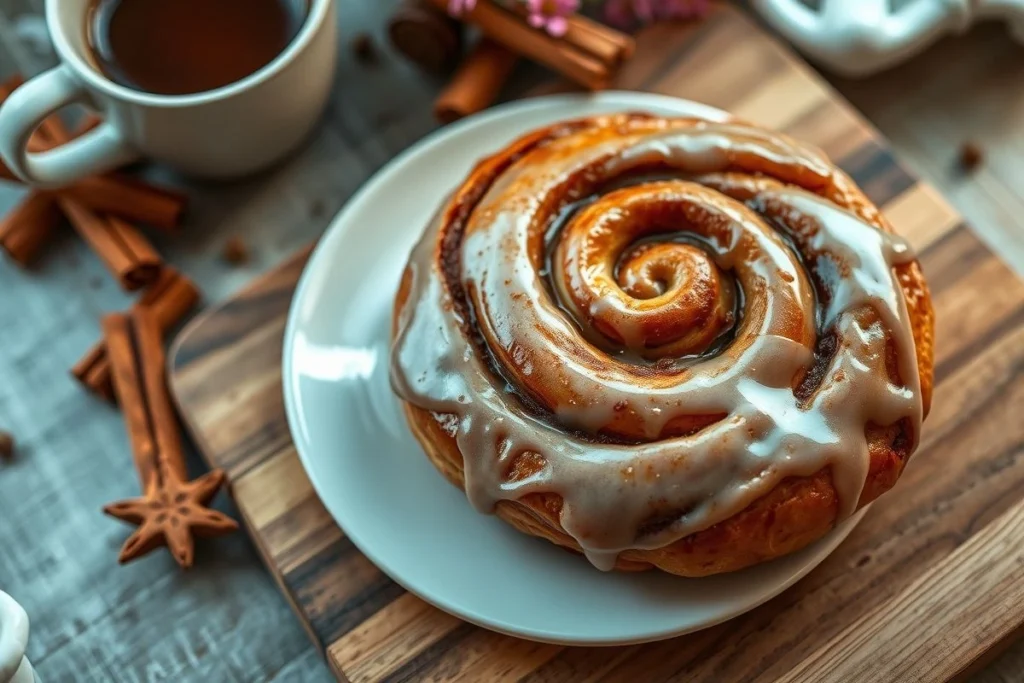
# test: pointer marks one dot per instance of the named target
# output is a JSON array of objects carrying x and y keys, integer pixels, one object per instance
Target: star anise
[{"x": 171, "y": 514}]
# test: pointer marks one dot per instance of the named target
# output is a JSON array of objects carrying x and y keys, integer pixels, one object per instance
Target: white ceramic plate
[{"x": 378, "y": 484}]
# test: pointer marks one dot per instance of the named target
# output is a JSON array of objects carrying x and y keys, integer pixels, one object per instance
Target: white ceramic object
[
  {"x": 229, "y": 131},
  {"x": 861, "y": 37},
  {"x": 374, "y": 478},
  {"x": 14, "y": 666}
]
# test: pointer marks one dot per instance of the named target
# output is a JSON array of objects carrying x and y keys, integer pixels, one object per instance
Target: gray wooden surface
[{"x": 225, "y": 620}]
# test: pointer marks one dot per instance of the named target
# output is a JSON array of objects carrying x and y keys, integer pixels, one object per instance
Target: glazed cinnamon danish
[{"x": 664, "y": 342}]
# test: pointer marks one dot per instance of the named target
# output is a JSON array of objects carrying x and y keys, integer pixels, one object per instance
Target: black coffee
[{"x": 177, "y": 47}]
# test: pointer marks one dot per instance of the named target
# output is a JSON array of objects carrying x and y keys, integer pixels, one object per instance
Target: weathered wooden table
[{"x": 225, "y": 620}]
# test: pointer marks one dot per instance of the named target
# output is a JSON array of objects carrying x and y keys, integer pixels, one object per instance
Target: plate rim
[{"x": 629, "y": 100}]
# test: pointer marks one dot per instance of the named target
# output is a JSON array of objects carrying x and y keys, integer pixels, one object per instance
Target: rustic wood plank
[
  {"x": 979, "y": 585},
  {"x": 379, "y": 646},
  {"x": 922, "y": 214}
]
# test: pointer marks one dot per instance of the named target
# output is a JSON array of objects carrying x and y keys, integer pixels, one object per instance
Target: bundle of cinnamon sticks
[
  {"x": 166, "y": 301},
  {"x": 101, "y": 209},
  {"x": 589, "y": 53},
  {"x": 127, "y": 365}
]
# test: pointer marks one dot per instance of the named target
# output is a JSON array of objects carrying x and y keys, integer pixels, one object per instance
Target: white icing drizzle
[{"x": 613, "y": 491}]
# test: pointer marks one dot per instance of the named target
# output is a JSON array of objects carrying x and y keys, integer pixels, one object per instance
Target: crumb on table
[
  {"x": 235, "y": 251},
  {"x": 971, "y": 155},
  {"x": 363, "y": 48},
  {"x": 6, "y": 445},
  {"x": 317, "y": 208}
]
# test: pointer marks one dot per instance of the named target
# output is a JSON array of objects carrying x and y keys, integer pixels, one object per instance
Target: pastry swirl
[{"x": 664, "y": 341}]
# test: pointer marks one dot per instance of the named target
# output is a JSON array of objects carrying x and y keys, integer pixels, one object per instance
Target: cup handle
[{"x": 99, "y": 150}]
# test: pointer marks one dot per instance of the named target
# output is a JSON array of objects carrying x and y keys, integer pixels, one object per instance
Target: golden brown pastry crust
[{"x": 798, "y": 511}]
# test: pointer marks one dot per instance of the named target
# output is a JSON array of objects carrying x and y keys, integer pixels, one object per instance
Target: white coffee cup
[
  {"x": 230, "y": 131},
  {"x": 14, "y": 666}
]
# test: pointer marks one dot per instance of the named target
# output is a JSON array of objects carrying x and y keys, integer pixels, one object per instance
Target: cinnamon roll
[{"x": 664, "y": 342}]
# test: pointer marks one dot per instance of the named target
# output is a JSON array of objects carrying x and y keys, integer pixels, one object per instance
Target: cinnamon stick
[
  {"x": 51, "y": 128},
  {"x": 93, "y": 371},
  {"x": 115, "y": 194},
  {"x": 29, "y": 226},
  {"x": 426, "y": 35},
  {"x": 506, "y": 28},
  {"x": 130, "y": 199},
  {"x": 88, "y": 122},
  {"x": 153, "y": 364},
  {"x": 168, "y": 300},
  {"x": 6, "y": 88},
  {"x": 126, "y": 253},
  {"x": 9, "y": 85},
  {"x": 129, "y": 257},
  {"x": 476, "y": 83},
  {"x": 604, "y": 43},
  {"x": 171, "y": 510},
  {"x": 128, "y": 382}
]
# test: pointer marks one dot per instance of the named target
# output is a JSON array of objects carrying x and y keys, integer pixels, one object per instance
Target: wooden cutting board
[{"x": 928, "y": 585}]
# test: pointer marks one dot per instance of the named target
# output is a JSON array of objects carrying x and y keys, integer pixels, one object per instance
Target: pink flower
[
  {"x": 680, "y": 9},
  {"x": 625, "y": 13},
  {"x": 619, "y": 13},
  {"x": 457, "y": 8},
  {"x": 645, "y": 10},
  {"x": 551, "y": 14}
]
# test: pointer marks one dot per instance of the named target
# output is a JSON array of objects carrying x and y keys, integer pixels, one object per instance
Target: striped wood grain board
[{"x": 927, "y": 586}]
